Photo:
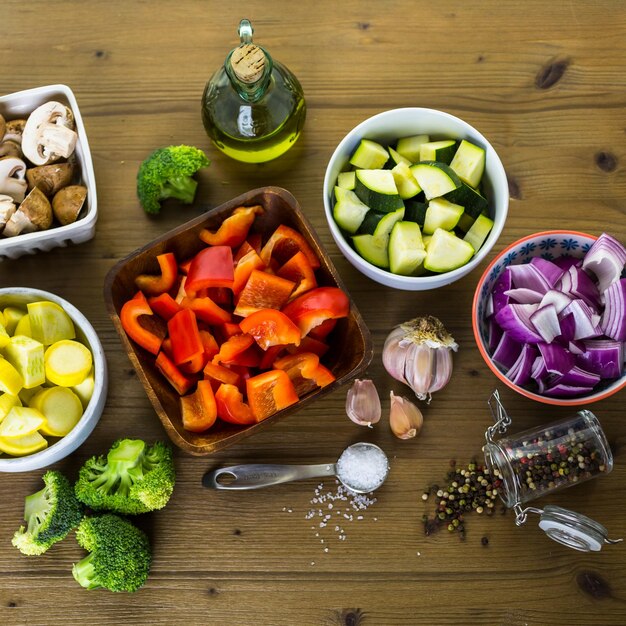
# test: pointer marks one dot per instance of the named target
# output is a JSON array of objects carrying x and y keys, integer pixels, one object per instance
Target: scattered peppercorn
[{"x": 484, "y": 541}]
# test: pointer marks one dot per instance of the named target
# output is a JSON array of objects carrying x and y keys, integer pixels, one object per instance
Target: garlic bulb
[
  {"x": 419, "y": 354},
  {"x": 405, "y": 419},
  {"x": 363, "y": 403}
]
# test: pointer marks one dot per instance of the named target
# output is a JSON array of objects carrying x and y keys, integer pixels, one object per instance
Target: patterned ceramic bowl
[{"x": 548, "y": 245}]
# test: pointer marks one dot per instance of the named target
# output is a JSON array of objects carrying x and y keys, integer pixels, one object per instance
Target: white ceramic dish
[
  {"x": 20, "y": 105},
  {"x": 387, "y": 127},
  {"x": 20, "y": 296}
]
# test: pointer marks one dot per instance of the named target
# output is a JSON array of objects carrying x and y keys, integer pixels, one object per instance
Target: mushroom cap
[
  {"x": 48, "y": 133},
  {"x": 7, "y": 208},
  {"x": 12, "y": 172},
  {"x": 68, "y": 202},
  {"x": 50, "y": 178},
  {"x": 10, "y": 148},
  {"x": 14, "y": 130},
  {"x": 37, "y": 208}
]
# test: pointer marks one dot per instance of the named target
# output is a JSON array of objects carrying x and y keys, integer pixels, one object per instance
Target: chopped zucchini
[
  {"x": 469, "y": 198},
  {"x": 378, "y": 190},
  {"x": 479, "y": 231},
  {"x": 369, "y": 155},
  {"x": 398, "y": 158},
  {"x": 406, "y": 250},
  {"x": 469, "y": 163},
  {"x": 349, "y": 212},
  {"x": 384, "y": 227},
  {"x": 409, "y": 147},
  {"x": 341, "y": 193},
  {"x": 436, "y": 179},
  {"x": 345, "y": 180},
  {"x": 441, "y": 151},
  {"x": 446, "y": 252},
  {"x": 372, "y": 249},
  {"x": 415, "y": 211},
  {"x": 407, "y": 186},
  {"x": 465, "y": 222},
  {"x": 369, "y": 224},
  {"x": 441, "y": 214}
]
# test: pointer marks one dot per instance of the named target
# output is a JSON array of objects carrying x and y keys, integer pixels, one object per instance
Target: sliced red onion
[
  {"x": 539, "y": 371},
  {"x": 557, "y": 359},
  {"x": 546, "y": 322},
  {"x": 507, "y": 351},
  {"x": 577, "y": 283},
  {"x": 605, "y": 259},
  {"x": 495, "y": 334},
  {"x": 515, "y": 320},
  {"x": 566, "y": 261},
  {"x": 578, "y": 377},
  {"x": 504, "y": 283},
  {"x": 489, "y": 306},
  {"x": 576, "y": 347},
  {"x": 566, "y": 391},
  {"x": 559, "y": 299},
  {"x": 524, "y": 296},
  {"x": 567, "y": 324},
  {"x": 550, "y": 272},
  {"x": 604, "y": 357},
  {"x": 519, "y": 374},
  {"x": 587, "y": 321},
  {"x": 613, "y": 321},
  {"x": 529, "y": 277}
]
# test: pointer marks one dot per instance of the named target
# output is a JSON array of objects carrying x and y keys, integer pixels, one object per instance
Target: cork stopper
[{"x": 248, "y": 62}]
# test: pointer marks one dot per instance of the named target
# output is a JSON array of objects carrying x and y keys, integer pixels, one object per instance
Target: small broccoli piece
[
  {"x": 50, "y": 515},
  {"x": 133, "y": 478},
  {"x": 119, "y": 554},
  {"x": 167, "y": 173}
]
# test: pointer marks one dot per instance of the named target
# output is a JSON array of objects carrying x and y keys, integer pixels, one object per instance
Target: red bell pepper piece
[
  {"x": 314, "y": 307},
  {"x": 208, "y": 344},
  {"x": 148, "y": 338},
  {"x": 323, "y": 330},
  {"x": 198, "y": 409},
  {"x": 184, "y": 266},
  {"x": 263, "y": 291},
  {"x": 225, "y": 331},
  {"x": 230, "y": 406},
  {"x": 219, "y": 374},
  {"x": 270, "y": 327},
  {"x": 206, "y": 310},
  {"x": 284, "y": 243},
  {"x": 154, "y": 285},
  {"x": 174, "y": 376},
  {"x": 244, "y": 248},
  {"x": 183, "y": 331},
  {"x": 194, "y": 365},
  {"x": 308, "y": 344},
  {"x": 305, "y": 371},
  {"x": 211, "y": 267},
  {"x": 299, "y": 270},
  {"x": 250, "y": 357},
  {"x": 164, "y": 306},
  {"x": 233, "y": 347},
  {"x": 244, "y": 267},
  {"x": 221, "y": 296},
  {"x": 269, "y": 356},
  {"x": 234, "y": 229},
  {"x": 256, "y": 242},
  {"x": 270, "y": 392}
]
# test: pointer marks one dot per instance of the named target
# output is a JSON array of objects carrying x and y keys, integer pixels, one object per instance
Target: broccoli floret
[
  {"x": 133, "y": 478},
  {"x": 119, "y": 554},
  {"x": 50, "y": 515},
  {"x": 167, "y": 173}
]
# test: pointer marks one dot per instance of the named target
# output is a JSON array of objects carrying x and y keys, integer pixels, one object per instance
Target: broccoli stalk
[
  {"x": 50, "y": 514},
  {"x": 119, "y": 554},
  {"x": 167, "y": 173},
  {"x": 133, "y": 478}
]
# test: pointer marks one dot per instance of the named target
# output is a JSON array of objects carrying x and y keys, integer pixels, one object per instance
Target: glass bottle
[{"x": 253, "y": 107}]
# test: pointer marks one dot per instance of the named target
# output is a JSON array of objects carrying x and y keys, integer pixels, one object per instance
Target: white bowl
[
  {"x": 387, "y": 127},
  {"x": 20, "y": 296},
  {"x": 20, "y": 105}
]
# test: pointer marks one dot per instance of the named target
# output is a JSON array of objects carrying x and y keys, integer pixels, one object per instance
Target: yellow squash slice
[
  {"x": 21, "y": 421},
  {"x": 21, "y": 446},
  {"x": 67, "y": 363},
  {"x": 62, "y": 409}
]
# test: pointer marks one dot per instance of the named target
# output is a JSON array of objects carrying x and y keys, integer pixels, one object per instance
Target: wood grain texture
[{"x": 546, "y": 84}]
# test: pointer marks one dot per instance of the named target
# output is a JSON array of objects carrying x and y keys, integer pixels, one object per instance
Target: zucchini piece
[
  {"x": 441, "y": 214},
  {"x": 349, "y": 212},
  {"x": 369, "y": 224},
  {"x": 477, "y": 234},
  {"x": 469, "y": 198},
  {"x": 409, "y": 147},
  {"x": 398, "y": 158},
  {"x": 378, "y": 190},
  {"x": 372, "y": 249},
  {"x": 442, "y": 151},
  {"x": 465, "y": 222},
  {"x": 341, "y": 193},
  {"x": 406, "y": 249},
  {"x": 415, "y": 211},
  {"x": 407, "y": 186},
  {"x": 469, "y": 163},
  {"x": 345, "y": 180},
  {"x": 369, "y": 155},
  {"x": 436, "y": 179},
  {"x": 446, "y": 252},
  {"x": 385, "y": 226}
]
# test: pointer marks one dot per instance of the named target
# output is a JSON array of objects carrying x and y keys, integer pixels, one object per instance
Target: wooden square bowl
[{"x": 351, "y": 346}]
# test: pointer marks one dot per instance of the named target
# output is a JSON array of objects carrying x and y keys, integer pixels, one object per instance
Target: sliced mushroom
[
  {"x": 48, "y": 134},
  {"x": 14, "y": 130},
  {"x": 50, "y": 178},
  {"x": 3, "y": 126},
  {"x": 68, "y": 202},
  {"x": 35, "y": 213},
  {"x": 10, "y": 148},
  {"x": 7, "y": 208},
  {"x": 12, "y": 182}
]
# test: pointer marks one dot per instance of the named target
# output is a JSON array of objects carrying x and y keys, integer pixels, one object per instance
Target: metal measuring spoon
[{"x": 255, "y": 476}]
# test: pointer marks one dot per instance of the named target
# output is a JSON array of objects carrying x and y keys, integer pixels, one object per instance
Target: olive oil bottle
[{"x": 253, "y": 107}]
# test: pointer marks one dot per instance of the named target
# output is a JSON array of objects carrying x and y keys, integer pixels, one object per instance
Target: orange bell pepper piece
[
  {"x": 269, "y": 356},
  {"x": 198, "y": 409},
  {"x": 263, "y": 291},
  {"x": 194, "y": 365},
  {"x": 323, "y": 330},
  {"x": 308, "y": 344},
  {"x": 211, "y": 267},
  {"x": 270, "y": 392},
  {"x": 314, "y": 307},
  {"x": 148, "y": 338},
  {"x": 284, "y": 243},
  {"x": 164, "y": 306},
  {"x": 270, "y": 327},
  {"x": 174, "y": 376},
  {"x": 305, "y": 371},
  {"x": 209, "y": 344},
  {"x": 234, "y": 229},
  {"x": 232, "y": 348},
  {"x": 206, "y": 310},
  {"x": 256, "y": 242},
  {"x": 231, "y": 407},
  {"x": 154, "y": 285},
  {"x": 185, "y": 336},
  {"x": 299, "y": 270},
  {"x": 245, "y": 266},
  {"x": 218, "y": 375}
]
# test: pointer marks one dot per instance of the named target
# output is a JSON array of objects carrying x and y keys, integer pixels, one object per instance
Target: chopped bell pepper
[
  {"x": 314, "y": 307},
  {"x": 233, "y": 347},
  {"x": 220, "y": 295},
  {"x": 256, "y": 242},
  {"x": 198, "y": 409},
  {"x": 164, "y": 306},
  {"x": 309, "y": 344},
  {"x": 323, "y": 330},
  {"x": 208, "y": 344},
  {"x": 181, "y": 292},
  {"x": 234, "y": 229},
  {"x": 305, "y": 371},
  {"x": 269, "y": 356},
  {"x": 250, "y": 357},
  {"x": 263, "y": 291},
  {"x": 219, "y": 374},
  {"x": 245, "y": 266},
  {"x": 184, "y": 266},
  {"x": 226, "y": 331},
  {"x": 270, "y": 392},
  {"x": 174, "y": 376},
  {"x": 185, "y": 336},
  {"x": 284, "y": 243},
  {"x": 231, "y": 407},
  {"x": 244, "y": 248},
  {"x": 194, "y": 365},
  {"x": 299, "y": 270},
  {"x": 206, "y": 310},
  {"x": 154, "y": 285},
  {"x": 211, "y": 267},
  {"x": 132, "y": 311},
  {"x": 270, "y": 327}
]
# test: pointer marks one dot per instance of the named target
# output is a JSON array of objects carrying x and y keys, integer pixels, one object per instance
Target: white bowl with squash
[
  {"x": 53, "y": 379},
  {"x": 415, "y": 198}
]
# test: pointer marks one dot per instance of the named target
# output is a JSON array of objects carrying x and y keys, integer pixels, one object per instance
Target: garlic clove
[
  {"x": 405, "y": 419},
  {"x": 443, "y": 370},
  {"x": 363, "y": 403}
]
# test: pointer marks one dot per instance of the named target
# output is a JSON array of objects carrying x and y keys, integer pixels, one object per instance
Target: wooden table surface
[{"x": 546, "y": 84}]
